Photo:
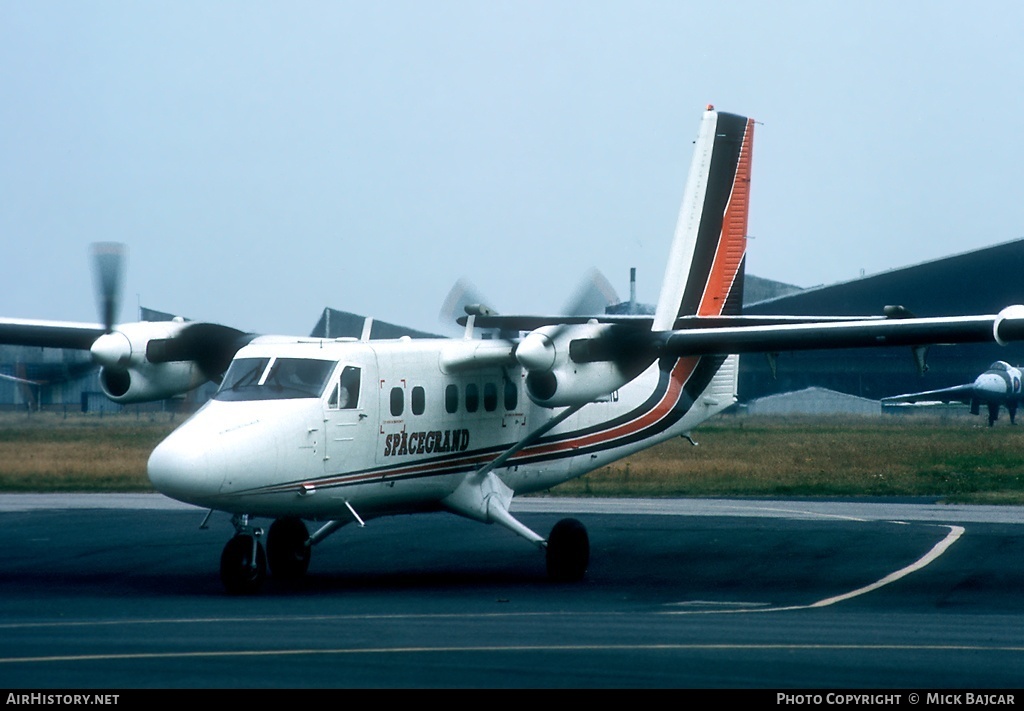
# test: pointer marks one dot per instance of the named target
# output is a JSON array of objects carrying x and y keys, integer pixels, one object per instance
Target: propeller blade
[
  {"x": 210, "y": 345},
  {"x": 463, "y": 298},
  {"x": 592, "y": 296},
  {"x": 109, "y": 260}
]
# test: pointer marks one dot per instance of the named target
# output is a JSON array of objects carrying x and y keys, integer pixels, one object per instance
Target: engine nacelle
[
  {"x": 127, "y": 376},
  {"x": 1009, "y": 324},
  {"x": 575, "y": 384},
  {"x": 149, "y": 381},
  {"x": 554, "y": 379}
]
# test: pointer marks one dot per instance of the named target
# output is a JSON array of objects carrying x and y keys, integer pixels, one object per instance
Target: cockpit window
[
  {"x": 274, "y": 379},
  {"x": 243, "y": 373}
]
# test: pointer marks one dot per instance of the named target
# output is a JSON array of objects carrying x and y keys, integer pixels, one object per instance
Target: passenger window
[
  {"x": 397, "y": 401},
  {"x": 511, "y": 395},
  {"x": 418, "y": 400},
  {"x": 451, "y": 399},
  {"x": 490, "y": 397},
  {"x": 472, "y": 398}
]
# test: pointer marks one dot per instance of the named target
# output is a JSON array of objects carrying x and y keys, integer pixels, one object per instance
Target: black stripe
[
  {"x": 725, "y": 158},
  {"x": 734, "y": 301}
]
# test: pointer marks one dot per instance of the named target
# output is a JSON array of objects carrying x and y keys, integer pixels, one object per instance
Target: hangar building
[{"x": 979, "y": 282}]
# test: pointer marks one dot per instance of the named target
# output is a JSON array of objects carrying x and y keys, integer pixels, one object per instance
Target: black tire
[
  {"x": 237, "y": 571},
  {"x": 568, "y": 551},
  {"x": 288, "y": 550}
]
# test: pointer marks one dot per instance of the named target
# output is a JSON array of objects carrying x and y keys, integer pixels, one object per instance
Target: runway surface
[{"x": 123, "y": 592}]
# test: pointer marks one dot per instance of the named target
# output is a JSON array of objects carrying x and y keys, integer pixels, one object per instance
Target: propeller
[
  {"x": 108, "y": 266},
  {"x": 463, "y": 298},
  {"x": 211, "y": 346},
  {"x": 592, "y": 296},
  {"x": 112, "y": 349}
]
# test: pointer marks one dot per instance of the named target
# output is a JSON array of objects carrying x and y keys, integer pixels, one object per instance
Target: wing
[
  {"x": 850, "y": 334},
  {"x": 717, "y": 339},
  {"x": 49, "y": 334},
  {"x": 514, "y": 322}
]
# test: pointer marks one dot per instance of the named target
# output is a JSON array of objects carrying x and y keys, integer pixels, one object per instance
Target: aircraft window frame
[
  {"x": 349, "y": 384},
  {"x": 418, "y": 400},
  {"x": 275, "y": 378},
  {"x": 511, "y": 396},
  {"x": 244, "y": 373},
  {"x": 451, "y": 398},
  {"x": 490, "y": 397},
  {"x": 397, "y": 401},
  {"x": 472, "y": 397}
]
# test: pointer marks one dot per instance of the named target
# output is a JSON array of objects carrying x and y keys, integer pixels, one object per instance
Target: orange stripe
[
  {"x": 680, "y": 373},
  {"x": 732, "y": 244}
]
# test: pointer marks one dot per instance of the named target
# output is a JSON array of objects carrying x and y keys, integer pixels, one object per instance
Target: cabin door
[{"x": 350, "y": 414}]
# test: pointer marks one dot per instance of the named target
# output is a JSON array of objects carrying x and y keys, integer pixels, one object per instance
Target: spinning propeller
[
  {"x": 590, "y": 298},
  {"x": 125, "y": 351},
  {"x": 554, "y": 376},
  {"x": 109, "y": 259},
  {"x": 108, "y": 262}
]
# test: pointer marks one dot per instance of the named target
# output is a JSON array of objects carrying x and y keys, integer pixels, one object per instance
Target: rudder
[{"x": 704, "y": 274}]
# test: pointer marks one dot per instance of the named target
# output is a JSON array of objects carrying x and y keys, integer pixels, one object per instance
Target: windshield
[{"x": 274, "y": 379}]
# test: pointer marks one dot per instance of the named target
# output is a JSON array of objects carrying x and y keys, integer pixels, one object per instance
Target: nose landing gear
[{"x": 243, "y": 563}]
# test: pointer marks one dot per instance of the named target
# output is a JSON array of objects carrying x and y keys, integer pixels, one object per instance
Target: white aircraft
[
  {"x": 999, "y": 385},
  {"x": 346, "y": 430}
]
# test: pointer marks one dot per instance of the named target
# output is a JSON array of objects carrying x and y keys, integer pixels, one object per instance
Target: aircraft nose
[
  {"x": 184, "y": 470},
  {"x": 990, "y": 383}
]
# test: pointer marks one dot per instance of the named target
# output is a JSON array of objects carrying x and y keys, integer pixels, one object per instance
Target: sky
[{"x": 264, "y": 160}]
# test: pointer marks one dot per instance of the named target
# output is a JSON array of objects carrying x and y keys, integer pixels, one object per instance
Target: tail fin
[{"x": 704, "y": 274}]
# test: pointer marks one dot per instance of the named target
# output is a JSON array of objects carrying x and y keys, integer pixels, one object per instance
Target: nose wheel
[{"x": 243, "y": 565}]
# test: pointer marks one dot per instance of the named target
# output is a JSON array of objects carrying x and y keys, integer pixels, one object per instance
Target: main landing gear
[
  {"x": 568, "y": 551},
  {"x": 243, "y": 563},
  {"x": 288, "y": 548}
]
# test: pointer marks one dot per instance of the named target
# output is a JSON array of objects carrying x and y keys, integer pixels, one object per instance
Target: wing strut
[{"x": 484, "y": 497}]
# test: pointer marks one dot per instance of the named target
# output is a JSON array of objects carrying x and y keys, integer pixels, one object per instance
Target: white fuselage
[
  {"x": 411, "y": 432},
  {"x": 1000, "y": 383}
]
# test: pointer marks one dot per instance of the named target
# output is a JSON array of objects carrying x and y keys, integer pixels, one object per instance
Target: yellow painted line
[
  {"x": 295, "y": 619},
  {"x": 515, "y": 648},
  {"x": 930, "y": 557}
]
